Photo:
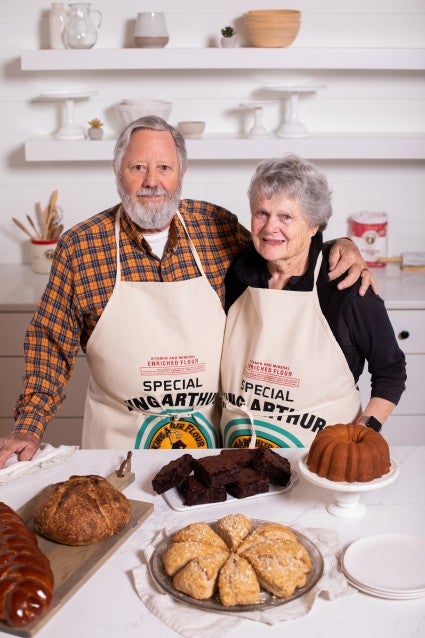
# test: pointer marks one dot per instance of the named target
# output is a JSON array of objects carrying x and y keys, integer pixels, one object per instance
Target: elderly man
[{"x": 140, "y": 288}]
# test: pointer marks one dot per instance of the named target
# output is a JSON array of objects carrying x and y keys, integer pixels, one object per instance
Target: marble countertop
[
  {"x": 108, "y": 606},
  {"x": 21, "y": 288}
]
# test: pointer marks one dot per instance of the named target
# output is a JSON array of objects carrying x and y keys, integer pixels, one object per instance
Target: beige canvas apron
[
  {"x": 284, "y": 376},
  {"x": 154, "y": 358}
]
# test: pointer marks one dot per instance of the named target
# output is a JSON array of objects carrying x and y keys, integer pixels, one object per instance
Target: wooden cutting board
[{"x": 73, "y": 566}]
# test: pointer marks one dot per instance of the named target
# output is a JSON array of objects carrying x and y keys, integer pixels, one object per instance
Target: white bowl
[
  {"x": 128, "y": 113},
  {"x": 191, "y": 129}
]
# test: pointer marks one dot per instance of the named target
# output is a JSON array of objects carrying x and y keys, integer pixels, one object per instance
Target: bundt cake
[
  {"x": 349, "y": 452},
  {"x": 236, "y": 561}
]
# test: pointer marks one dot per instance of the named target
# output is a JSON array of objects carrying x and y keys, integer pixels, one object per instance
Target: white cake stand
[
  {"x": 69, "y": 130},
  {"x": 293, "y": 127},
  {"x": 347, "y": 496},
  {"x": 258, "y": 130}
]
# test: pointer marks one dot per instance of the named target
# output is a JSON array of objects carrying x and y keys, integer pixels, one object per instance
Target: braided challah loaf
[{"x": 26, "y": 580}]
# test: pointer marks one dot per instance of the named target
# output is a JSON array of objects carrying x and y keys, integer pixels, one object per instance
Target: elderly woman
[{"x": 295, "y": 345}]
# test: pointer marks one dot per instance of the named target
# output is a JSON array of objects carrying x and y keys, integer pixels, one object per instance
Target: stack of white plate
[{"x": 387, "y": 565}]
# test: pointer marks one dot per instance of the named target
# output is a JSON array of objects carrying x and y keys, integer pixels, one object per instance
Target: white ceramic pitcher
[{"x": 82, "y": 24}]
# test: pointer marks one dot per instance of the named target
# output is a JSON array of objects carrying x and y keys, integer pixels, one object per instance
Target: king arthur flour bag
[{"x": 369, "y": 233}]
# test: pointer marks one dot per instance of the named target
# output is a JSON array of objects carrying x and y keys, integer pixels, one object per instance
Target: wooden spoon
[
  {"x": 33, "y": 226},
  {"x": 22, "y": 227},
  {"x": 50, "y": 210}
]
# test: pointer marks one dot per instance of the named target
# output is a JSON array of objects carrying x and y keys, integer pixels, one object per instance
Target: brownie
[
  {"x": 276, "y": 467},
  {"x": 248, "y": 483},
  {"x": 172, "y": 474},
  {"x": 217, "y": 470},
  {"x": 194, "y": 492},
  {"x": 243, "y": 456}
]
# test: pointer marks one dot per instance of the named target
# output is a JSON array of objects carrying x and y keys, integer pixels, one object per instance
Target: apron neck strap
[
  {"x": 317, "y": 267},
  {"x": 117, "y": 242},
  {"x": 194, "y": 251}
]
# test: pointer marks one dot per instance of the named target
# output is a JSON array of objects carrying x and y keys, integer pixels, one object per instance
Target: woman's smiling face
[{"x": 279, "y": 229}]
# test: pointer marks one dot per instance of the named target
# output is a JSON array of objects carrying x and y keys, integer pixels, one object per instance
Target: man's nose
[{"x": 150, "y": 178}]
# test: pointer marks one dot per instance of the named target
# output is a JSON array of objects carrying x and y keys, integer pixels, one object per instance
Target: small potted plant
[
  {"x": 95, "y": 132},
  {"x": 228, "y": 39}
]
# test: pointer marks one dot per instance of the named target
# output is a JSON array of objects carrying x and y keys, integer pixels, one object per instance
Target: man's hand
[
  {"x": 24, "y": 445},
  {"x": 345, "y": 256}
]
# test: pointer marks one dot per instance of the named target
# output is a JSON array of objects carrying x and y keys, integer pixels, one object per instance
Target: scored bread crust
[{"x": 81, "y": 511}]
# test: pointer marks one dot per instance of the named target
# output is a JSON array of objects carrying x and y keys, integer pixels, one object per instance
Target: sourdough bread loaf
[{"x": 81, "y": 511}]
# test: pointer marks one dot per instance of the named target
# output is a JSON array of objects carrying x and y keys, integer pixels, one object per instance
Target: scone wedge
[
  {"x": 237, "y": 583},
  {"x": 178, "y": 554},
  {"x": 200, "y": 533},
  {"x": 198, "y": 578}
]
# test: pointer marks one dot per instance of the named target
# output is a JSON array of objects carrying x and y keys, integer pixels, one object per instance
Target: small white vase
[
  {"x": 57, "y": 21},
  {"x": 95, "y": 133},
  {"x": 229, "y": 43}
]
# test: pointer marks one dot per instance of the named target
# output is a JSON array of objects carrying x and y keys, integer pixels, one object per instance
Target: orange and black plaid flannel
[{"x": 83, "y": 277}]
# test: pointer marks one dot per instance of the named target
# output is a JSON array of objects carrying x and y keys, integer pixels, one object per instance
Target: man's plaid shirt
[{"x": 81, "y": 282}]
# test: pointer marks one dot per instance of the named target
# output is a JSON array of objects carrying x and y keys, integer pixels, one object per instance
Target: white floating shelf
[
  {"x": 319, "y": 146},
  {"x": 217, "y": 58}
]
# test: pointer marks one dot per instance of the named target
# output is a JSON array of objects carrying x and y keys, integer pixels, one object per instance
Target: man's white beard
[{"x": 152, "y": 215}]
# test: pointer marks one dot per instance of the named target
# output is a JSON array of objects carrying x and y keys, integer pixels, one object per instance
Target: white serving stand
[
  {"x": 69, "y": 130},
  {"x": 293, "y": 127},
  {"x": 259, "y": 130},
  {"x": 347, "y": 496}
]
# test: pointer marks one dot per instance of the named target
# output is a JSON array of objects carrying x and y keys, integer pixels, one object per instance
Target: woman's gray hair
[
  {"x": 297, "y": 179},
  {"x": 153, "y": 123}
]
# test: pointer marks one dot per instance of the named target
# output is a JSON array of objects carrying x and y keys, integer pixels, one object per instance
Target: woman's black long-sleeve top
[{"x": 360, "y": 325}]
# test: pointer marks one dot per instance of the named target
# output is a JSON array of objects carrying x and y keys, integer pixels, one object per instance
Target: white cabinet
[
  {"x": 66, "y": 426},
  {"x": 406, "y": 425}
]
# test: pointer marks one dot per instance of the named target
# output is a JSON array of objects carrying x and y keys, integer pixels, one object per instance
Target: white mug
[
  {"x": 151, "y": 30},
  {"x": 42, "y": 252}
]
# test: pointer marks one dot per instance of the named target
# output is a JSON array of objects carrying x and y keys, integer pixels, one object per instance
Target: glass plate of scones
[{"x": 236, "y": 564}]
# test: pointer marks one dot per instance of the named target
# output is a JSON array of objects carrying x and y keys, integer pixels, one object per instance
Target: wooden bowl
[{"x": 272, "y": 28}]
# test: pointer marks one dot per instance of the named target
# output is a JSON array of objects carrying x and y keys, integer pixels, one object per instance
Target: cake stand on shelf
[
  {"x": 258, "y": 130},
  {"x": 347, "y": 496},
  {"x": 293, "y": 127},
  {"x": 69, "y": 130}
]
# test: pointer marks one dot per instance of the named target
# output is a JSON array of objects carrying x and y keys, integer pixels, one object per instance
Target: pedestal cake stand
[
  {"x": 293, "y": 127},
  {"x": 69, "y": 130},
  {"x": 347, "y": 496},
  {"x": 258, "y": 129}
]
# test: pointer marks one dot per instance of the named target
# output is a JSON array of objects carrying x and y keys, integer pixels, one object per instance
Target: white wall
[{"x": 363, "y": 101}]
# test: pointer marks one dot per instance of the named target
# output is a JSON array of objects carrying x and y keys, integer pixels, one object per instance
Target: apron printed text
[
  {"x": 177, "y": 364},
  {"x": 170, "y": 399},
  {"x": 177, "y": 434},
  {"x": 277, "y": 411},
  {"x": 271, "y": 372}
]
